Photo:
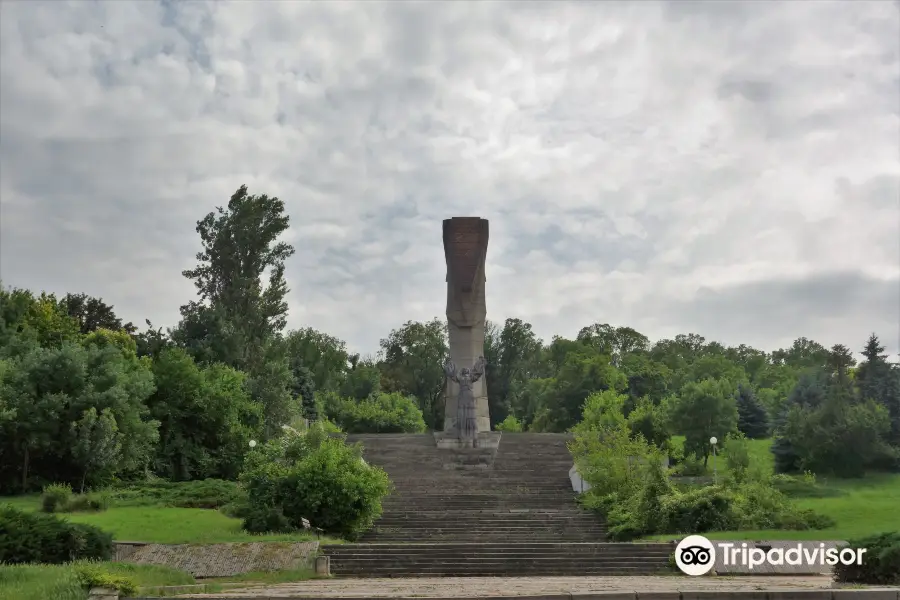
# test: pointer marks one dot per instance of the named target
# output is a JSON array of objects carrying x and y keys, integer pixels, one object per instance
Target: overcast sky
[{"x": 727, "y": 169}]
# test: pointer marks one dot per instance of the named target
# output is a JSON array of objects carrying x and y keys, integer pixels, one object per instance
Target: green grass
[
  {"x": 167, "y": 525},
  {"x": 860, "y": 507},
  {"x": 60, "y": 582},
  {"x": 760, "y": 456}
]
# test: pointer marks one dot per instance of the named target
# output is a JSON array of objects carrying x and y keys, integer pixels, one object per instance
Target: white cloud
[{"x": 727, "y": 168}]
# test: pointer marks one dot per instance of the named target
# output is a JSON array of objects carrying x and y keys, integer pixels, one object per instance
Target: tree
[
  {"x": 325, "y": 357},
  {"x": 809, "y": 393},
  {"x": 92, "y": 313},
  {"x": 646, "y": 378},
  {"x": 803, "y": 354},
  {"x": 271, "y": 384},
  {"x": 616, "y": 342},
  {"x": 517, "y": 354},
  {"x": 878, "y": 380},
  {"x": 412, "y": 359},
  {"x": 238, "y": 318},
  {"x": 677, "y": 354},
  {"x": 838, "y": 438},
  {"x": 152, "y": 341},
  {"x": 362, "y": 380},
  {"x": 98, "y": 443},
  {"x": 206, "y": 417},
  {"x": 649, "y": 421},
  {"x": 603, "y": 411},
  {"x": 52, "y": 388},
  {"x": 380, "y": 413},
  {"x": 713, "y": 366},
  {"x": 27, "y": 321},
  {"x": 701, "y": 411},
  {"x": 753, "y": 421},
  {"x": 306, "y": 392},
  {"x": 240, "y": 247},
  {"x": 583, "y": 373}
]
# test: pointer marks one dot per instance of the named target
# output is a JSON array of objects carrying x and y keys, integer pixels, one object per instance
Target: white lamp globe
[
  {"x": 713, "y": 440},
  {"x": 253, "y": 443}
]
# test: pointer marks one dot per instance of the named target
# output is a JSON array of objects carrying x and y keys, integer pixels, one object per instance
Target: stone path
[{"x": 481, "y": 587}]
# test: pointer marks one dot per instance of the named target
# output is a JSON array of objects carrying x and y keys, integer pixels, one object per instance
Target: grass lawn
[
  {"x": 59, "y": 582},
  {"x": 860, "y": 507},
  {"x": 760, "y": 456},
  {"x": 166, "y": 525}
]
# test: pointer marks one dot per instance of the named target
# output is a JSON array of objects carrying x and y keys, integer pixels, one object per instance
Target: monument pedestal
[{"x": 467, "y": 454}]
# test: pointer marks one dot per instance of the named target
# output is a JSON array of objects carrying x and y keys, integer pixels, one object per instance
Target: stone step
[
  {"x": 624, "y": 559},
  {"x": 490, "y": 515},
  {"x": 494, "y": 547},
  {"x": 500, "y": 572},
  {"x": 484, "y": 524},
  {"x": 472, "y": 494},
  {"x": 535, "y": 538},
  {"x": 494, "y": 565},
  {"x": 482, "y": 486},
  {"x": 480, "y": 535},
  {"x": 476, "y": 496},
  {"x": 474, "y": 537},
  {"x": 499, "y": 526}
]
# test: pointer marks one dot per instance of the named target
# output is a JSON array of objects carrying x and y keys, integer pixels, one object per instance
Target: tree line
[{"x": 86, "y": 398}]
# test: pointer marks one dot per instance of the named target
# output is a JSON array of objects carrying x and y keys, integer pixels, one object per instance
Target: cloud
[{"x": 730, "y": 169}]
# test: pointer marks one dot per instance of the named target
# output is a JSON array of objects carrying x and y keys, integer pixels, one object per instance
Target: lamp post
[
  {"x": 252, "y": 444},
  {"x": 713, "y": 442}
]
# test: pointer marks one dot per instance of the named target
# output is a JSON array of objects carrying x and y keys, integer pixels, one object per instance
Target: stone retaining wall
[
  {"x": 221, "y": 560},
  {"x": 856, "y": 594}
]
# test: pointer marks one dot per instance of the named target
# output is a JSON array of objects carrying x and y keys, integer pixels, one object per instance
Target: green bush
[
  {"x": 703, "y": 509},
  {"x": 265, "y": 519},
  {"x": 880, "y": 564},
  {"x": 659, "y": 508},
  {"x": 649, "y": 508},
  {"x": 206, "y": 493},
  {"x": 690, "y": 467},
  {"x": 316, "y": 477},
  {"x": 379, "y": 413},
  {"x": 92, "y": 576},
  {"x": 93, "y": 502},
  {"x": 56, "y": 497},
  {"x": 737, "y": 457},
  {"x": 27, "y": 537},
  {"x": 510, "y": 423}
]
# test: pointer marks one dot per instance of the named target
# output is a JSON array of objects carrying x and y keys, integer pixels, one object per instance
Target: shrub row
[
  {"x": 33, "y": 537},
  {"x": 881, "y": 562},
  {"x": 206, "y": 493},
  {"x": 59, "y": 498}
]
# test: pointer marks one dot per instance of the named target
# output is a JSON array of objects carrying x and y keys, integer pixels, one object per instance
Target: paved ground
[{"x": 480, "y": 587}]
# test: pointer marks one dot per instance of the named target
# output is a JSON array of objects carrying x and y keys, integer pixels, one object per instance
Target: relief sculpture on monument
[{"x": 466, "y": 419}]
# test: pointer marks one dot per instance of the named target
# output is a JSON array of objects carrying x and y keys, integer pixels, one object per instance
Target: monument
[{"x": 465, "y": 249}]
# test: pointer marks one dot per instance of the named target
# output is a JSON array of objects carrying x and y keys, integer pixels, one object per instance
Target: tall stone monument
[{"x": 465, "y": 248}]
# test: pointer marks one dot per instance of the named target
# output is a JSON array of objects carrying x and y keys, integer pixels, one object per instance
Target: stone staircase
[{"x": 516, "y": 517}]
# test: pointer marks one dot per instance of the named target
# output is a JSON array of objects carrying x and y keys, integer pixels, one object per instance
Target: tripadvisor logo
[{"x": 695, "y": 555}]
